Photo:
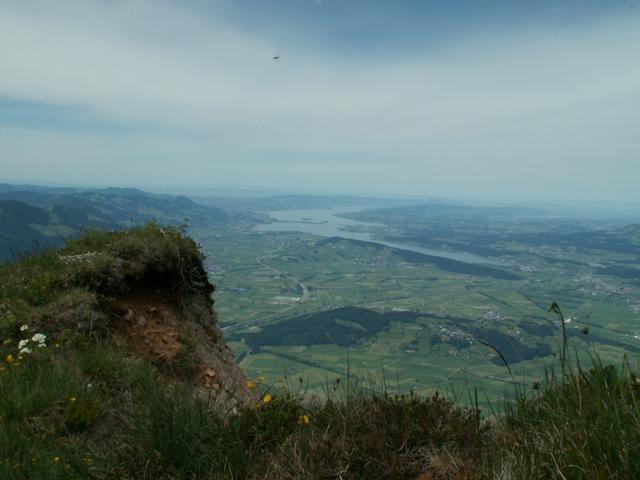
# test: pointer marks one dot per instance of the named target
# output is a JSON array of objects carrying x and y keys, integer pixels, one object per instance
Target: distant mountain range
[
  {"x": 34, "y": 217},
  {"x": 300, "y": 202}
]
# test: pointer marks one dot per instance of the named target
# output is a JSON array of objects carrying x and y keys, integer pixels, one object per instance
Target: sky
[{"x": 478, "y": 98}]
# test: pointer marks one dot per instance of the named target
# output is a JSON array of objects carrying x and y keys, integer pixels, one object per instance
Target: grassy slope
[{"x": 80, "y": 407}]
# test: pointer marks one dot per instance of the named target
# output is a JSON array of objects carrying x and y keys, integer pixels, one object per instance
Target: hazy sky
[{"x": 477, "y": 98}]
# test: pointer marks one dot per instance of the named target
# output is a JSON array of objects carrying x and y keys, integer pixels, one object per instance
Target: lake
[{"x": 326, "y": 223}]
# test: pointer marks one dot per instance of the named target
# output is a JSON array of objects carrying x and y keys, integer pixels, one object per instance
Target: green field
[{"x": 260, "y": 279}]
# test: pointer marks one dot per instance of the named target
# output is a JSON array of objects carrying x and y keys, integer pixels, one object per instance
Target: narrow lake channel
[{"x": 326, "y": 223}]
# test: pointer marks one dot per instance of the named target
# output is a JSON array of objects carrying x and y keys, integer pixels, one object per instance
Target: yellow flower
[
  {"x": 57, "y": 345},
  {"x": 56, "y": 459},
  {"x": 303, "y": 420},
  {"x": 72, "y": 399},
  {"x": 250, "y": 385},
  {"x": 260, "y": 379},
  {"x": 267, "y": 398},
  {"x": 10, "y": 359}
]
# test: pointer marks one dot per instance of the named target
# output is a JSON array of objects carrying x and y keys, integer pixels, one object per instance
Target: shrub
[
  {"x": 583, "y": 425},
  {"x": 158, "y": 254},
  {"x": 82, "y": 412},
  {"x": 379, "y": 437},
  {"x": 172, "y": 435}
]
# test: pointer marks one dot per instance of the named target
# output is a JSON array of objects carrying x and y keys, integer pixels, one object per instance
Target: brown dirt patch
[
  {"x": 182, "y": 336},
  {"x": 149, "y": 324}
]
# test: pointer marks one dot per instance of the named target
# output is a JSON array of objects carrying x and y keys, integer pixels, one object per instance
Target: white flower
[
  {"x": 39, "y": 338},
  {"x": 25, "y": 350},
  {"x": 24, "y": 328},
  {"x": 41, "y": 345},
  {"x": 22, "y": 344}
]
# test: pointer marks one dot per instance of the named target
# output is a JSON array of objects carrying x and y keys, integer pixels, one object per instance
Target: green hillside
[
  {"x": 34, "y": 218},
  {"x": 23, "y": 229}
]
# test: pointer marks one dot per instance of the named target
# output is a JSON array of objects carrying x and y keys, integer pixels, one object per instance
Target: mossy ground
[{"x": 82, "y": 407}]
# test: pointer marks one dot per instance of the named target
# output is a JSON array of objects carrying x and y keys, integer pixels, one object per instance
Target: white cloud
[{"x": 484, "y": 116}]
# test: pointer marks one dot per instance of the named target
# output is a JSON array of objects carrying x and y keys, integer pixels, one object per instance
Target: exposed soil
[{"x": 183, "y": 336}]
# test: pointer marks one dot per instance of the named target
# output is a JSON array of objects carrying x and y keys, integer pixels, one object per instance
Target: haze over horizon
[{"x": 519, "y": 100}]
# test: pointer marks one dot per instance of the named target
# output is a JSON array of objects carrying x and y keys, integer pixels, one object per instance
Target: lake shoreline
[{"x": 327, "y": 223}]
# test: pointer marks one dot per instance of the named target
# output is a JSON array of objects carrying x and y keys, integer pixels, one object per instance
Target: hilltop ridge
[{"x": 35, "y": 218}]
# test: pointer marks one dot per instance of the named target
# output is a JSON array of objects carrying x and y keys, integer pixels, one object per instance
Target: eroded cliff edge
[{"x": 143, "y": 291}]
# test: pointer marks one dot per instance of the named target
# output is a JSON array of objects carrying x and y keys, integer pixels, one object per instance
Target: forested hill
[{"x": 34, "y": 217}]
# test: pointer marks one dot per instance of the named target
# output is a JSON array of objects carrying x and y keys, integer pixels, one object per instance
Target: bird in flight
[{"x": 276, "y": 58}]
